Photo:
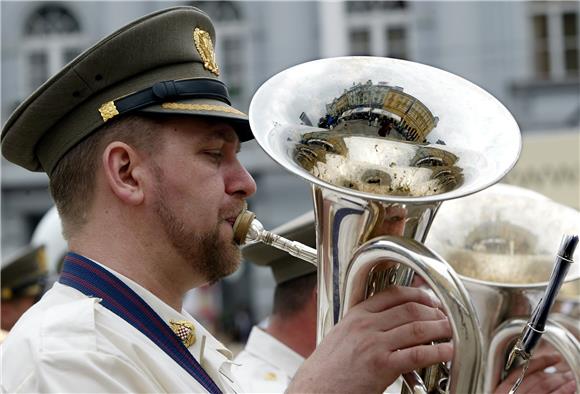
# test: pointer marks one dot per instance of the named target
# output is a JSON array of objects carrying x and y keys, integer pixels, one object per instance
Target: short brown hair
[
  {"x": 290, "y": 297},
  {"x": 72, "y": 182}
]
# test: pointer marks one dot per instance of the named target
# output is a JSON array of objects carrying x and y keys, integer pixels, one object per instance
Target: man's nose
[{"x": 241, "y": 182}]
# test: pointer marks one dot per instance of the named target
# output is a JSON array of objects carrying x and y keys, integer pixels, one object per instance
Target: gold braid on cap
[{"x": 201, "y": 107}]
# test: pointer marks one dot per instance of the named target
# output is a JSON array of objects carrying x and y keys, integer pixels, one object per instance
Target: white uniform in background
[
  {"x": 69, "y": 342},
  {"x": 266, "y": 365}
]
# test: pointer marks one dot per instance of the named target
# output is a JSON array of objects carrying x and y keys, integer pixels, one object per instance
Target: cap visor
[{"x": 206, "y": 108}]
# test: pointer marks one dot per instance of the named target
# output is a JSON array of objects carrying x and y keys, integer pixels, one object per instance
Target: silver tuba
[
  {"x": 502, "y": 242},
  {"x": 383, "y": 142}
]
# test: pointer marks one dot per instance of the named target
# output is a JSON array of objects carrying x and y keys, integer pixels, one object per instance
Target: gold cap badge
[
  {"x": 204, "y": 46},
  {"x": 184, "y": 330},
  {"x": 108, "y": 110},
  {"x": 6, "y": 294}
]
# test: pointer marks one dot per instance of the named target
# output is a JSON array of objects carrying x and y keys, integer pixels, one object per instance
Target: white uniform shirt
[
  {"x": 70, "y": 343},
  {"x": 265, "y": 365}
]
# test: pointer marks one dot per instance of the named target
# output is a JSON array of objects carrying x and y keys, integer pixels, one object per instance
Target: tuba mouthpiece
[
  {"x": 248, "y": 230},
  {"x": 242, "y": 226}
]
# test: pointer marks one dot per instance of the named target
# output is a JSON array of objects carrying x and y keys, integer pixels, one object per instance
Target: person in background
[
  {"x": 23, "y": 279},
  {"x": 274, "y": 353},
  {"x": 48, "y": 232}
]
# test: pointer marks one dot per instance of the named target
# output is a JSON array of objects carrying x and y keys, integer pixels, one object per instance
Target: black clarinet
[{"x": 535, "y": 327}]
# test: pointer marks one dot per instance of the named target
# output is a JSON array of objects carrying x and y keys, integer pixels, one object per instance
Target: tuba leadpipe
[
  {"x": 248, "y": 230},
  {"x": 383, "y": 142}
]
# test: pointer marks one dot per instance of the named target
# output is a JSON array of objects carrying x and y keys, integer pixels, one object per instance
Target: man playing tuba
[{"x": 140, "y": 143}]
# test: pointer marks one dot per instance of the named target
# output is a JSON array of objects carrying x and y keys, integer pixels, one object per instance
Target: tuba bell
[
  {"x": 383, "y": 142},
  {"x": 501, "y": 242}
]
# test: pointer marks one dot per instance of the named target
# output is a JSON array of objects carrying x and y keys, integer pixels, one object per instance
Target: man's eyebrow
[{"x": 224, "y": 135}]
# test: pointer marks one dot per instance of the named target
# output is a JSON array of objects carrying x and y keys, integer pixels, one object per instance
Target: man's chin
[
  {"x": 228, "y": 261},
  {"x": 224, "y": 274}
]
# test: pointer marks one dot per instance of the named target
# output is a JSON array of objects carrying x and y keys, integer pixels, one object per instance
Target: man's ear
[{"x": 124, "y": 172}]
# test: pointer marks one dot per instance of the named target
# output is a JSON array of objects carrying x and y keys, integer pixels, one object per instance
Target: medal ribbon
[{"x": 95, "y": 281}]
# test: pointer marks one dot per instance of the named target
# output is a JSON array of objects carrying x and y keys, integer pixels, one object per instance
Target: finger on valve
[
  {"x": 538, "y": 379},
  {"x": 378, "y": 345}
]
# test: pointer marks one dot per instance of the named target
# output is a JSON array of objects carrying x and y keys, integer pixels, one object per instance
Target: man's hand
[
  {"x": 378, "y": 340},
  {"x": 539, "y": 381}
]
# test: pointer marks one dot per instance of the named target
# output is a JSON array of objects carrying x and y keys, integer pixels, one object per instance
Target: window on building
[
  {"x": 378, "y": 28},
  {"x": 396, "y": 42},
  {"x": 571, "y": 53},
  {"x": 51, "y": 19},
  {"x": 232, "y": 63},
  {"x": 52, "y": 38},
  {"x": 353, "y": 7},
  {"x": 220, "y": 11},
  {"x": 360, "y": 42},
  {"x": 542, "y": 55},
  {"x": 38, "y": 67},
  {"x": 555, "y": 39}
]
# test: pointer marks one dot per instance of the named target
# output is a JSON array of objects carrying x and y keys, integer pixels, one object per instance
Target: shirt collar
[
  {"x": 265, "y": 347},
  {"x": 167, "y": 313}
]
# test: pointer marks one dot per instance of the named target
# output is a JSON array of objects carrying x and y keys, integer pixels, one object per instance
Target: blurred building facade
[{"x": 524, "y": 53}]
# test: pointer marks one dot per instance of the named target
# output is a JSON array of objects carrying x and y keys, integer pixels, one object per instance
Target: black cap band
[{"x": 160, "y": 92}]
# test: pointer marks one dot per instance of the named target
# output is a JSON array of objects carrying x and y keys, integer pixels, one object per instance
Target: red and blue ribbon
[{"x": 95, "y": 281}]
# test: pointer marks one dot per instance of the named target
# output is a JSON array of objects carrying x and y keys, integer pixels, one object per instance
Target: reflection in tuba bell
[
  {"x": 502, "y": 242},
  {"x": 383, "y": 142}
]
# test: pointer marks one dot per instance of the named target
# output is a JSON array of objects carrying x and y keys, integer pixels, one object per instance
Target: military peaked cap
[
  {"x": 163, "y": 63},
  {"x": 24, "y": 273},
  {"x": 284, "y": 266}
]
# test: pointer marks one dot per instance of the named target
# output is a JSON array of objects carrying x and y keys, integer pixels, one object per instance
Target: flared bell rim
[
  {"x": 510, "y": 207},
  {"x": 269, "y": 114},
  {"x": 571, "y": 277}
]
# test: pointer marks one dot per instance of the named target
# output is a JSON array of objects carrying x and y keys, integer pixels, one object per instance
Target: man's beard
[{"x": 210, "y": 256}]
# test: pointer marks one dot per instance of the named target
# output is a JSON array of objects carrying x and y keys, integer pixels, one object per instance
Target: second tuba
[{"x": 502, "y": 243}]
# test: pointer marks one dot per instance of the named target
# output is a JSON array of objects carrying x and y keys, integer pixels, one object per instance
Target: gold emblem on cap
[
  {"x": 184, "y": 330},
  {"x": 6, "y": 293},
  {"x": 204, "y": 46},
  {"x": 108, "y": 110}
]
